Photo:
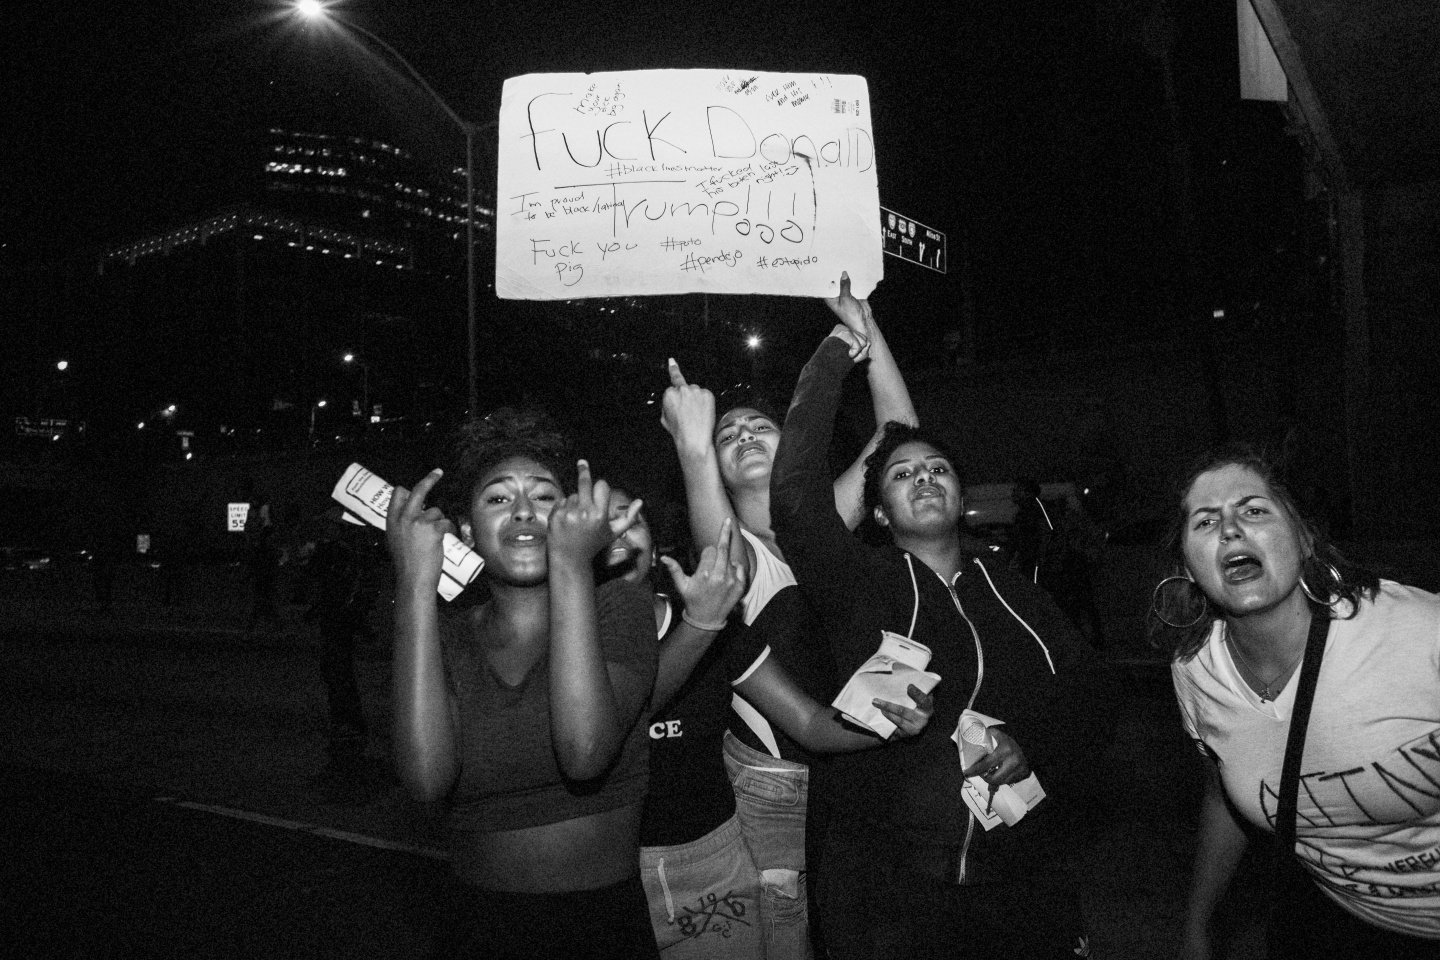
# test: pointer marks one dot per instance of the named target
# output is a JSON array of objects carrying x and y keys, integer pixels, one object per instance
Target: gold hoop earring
[{"x": 1155, "y": 603}]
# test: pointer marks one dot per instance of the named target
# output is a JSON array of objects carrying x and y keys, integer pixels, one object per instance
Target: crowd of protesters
[{"x": 634, "y": 768}]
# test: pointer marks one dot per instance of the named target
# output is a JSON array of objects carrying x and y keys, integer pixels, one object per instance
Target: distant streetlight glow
[
  {"x": 62, "y": 365},
  {"x": 310, "y": 9},
  {"x": 349, "y": 358},
  {"x": 753, "y": 342}
]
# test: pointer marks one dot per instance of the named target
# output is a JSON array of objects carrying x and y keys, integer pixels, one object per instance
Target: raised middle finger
[
  {"x": 583, "y": 484},
  {"x": 677, "y": 379},
  {"x": 722, "y": 545}
]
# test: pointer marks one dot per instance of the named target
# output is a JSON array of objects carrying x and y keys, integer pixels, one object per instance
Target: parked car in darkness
[{"x": 23, "y": 559}]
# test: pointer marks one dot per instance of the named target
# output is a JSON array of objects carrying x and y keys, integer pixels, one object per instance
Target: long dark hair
[{"x": 1324, "y": 573}]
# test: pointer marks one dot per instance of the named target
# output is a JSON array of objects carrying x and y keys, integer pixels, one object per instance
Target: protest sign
[{"x": 685, "y": 181}]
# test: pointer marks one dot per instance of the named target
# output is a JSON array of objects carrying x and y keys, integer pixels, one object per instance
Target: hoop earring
[
  {"x": 1305, "y": 588},
  {"x": 1155, "y": 604}
]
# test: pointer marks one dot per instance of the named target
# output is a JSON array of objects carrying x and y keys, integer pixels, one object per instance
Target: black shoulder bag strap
[{"x": 1299, "y": 720}]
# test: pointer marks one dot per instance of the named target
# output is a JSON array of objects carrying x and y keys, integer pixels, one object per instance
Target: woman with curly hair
[
  {"x": 1313, "y": 688},
  {"x": 526, "y": 713}
]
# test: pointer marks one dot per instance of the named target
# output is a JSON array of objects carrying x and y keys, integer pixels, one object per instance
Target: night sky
[
  {"x": 1034, "y": 134},
  {"x": 123, "y": 116}
]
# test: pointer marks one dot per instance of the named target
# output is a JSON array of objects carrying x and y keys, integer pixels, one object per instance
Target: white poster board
[{"x": 685, "y": 181}]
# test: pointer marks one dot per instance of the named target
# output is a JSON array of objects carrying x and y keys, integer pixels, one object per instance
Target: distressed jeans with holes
[{"x": 770, "y": 799}]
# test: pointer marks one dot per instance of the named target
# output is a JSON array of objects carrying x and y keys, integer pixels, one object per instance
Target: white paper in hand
[
  {"x": 1010, "y": 801},
  {"x": 366, "y": 498},
  {"x": 887, "y": 675}
]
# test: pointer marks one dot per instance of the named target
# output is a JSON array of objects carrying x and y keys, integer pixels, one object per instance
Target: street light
[
  {"x": 318, "y": 10},
  {"x": 752, "y": 343},
  {"x": 364, "y": 384},
  {"x": 313, "y": 407}
]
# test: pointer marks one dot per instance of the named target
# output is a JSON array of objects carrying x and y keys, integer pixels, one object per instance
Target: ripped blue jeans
[{"x": 770, "y": 798}]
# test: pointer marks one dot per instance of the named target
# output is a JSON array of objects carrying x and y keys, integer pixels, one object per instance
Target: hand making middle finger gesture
[
  {"x": 415, "y": 533},
  {"x": 712, "y": 591},
  {"x": 688, "y": 412},
  {"x": 581, "y": 526}
]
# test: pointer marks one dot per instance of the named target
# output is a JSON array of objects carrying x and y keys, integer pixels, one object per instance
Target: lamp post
[
  {"x": 313, "y": 407},
  {"x": 317, "y": 10},
  {"x": 364, "y": 388}
]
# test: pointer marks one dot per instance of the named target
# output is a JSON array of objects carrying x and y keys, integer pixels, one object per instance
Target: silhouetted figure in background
[
  {"x": 1076, "y": 547},
  {"x": 262, "y": 559},
  {"x": 339, "y": 605},
  {"x": 101, "y": 562},
  {"x": 165, "y": 551},
  {"x": 1031, "y": 531}
]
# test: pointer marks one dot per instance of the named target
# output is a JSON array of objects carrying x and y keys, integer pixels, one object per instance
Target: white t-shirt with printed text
[{"x": 1368, "y": 815}]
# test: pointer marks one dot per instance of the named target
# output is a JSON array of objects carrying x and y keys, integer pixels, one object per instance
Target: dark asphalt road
[
  {"x": 95, "y": 726},
  {"x": 94, "y": 872}
]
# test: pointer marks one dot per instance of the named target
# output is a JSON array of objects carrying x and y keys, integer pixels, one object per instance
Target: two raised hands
[{"x": 578, "y": 527}]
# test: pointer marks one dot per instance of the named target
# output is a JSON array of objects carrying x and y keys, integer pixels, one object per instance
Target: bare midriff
[{"x": 585, "y": 853}]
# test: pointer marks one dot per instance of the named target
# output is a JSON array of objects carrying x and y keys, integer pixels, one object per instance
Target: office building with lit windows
[
  {"x": 329, "y": 243},
  {"x": 371, "y": 186}
]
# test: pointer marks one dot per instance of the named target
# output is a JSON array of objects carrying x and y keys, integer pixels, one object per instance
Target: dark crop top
[{"x": 509, "y": 777}]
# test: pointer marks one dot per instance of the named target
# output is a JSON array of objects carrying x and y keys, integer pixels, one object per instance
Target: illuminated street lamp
[
  {"x": 313, "y": 407},
  {"x": 63, "y": 365},
  {"x": 752, "y": 343},
  {"x": 364, "y": 383},
  {"x": 320, "y": 11}
]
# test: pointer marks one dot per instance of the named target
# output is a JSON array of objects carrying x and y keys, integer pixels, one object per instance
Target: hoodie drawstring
[
  {"x": 1014, "y": 614},
  {"x": 915, "y": 612}
]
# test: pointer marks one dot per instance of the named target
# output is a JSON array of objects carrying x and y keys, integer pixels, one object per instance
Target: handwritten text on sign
[{"x": 681, "y": 181}]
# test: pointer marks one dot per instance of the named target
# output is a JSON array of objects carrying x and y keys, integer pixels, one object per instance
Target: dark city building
[
  {"x": 338, "y": 244},
  {"x": 374, "y": 186}
]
